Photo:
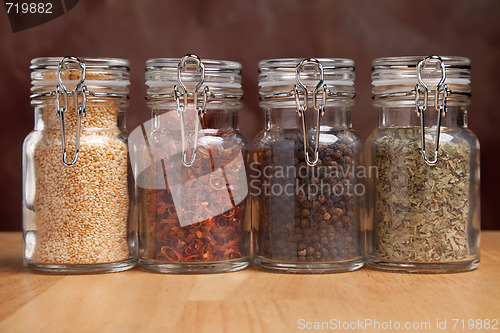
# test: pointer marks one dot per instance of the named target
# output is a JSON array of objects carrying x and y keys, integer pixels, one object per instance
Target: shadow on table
[{"x": 12, "y": 262}]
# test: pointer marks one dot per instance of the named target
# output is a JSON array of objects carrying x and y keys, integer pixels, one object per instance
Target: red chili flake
[
  {"x": 220, "y": 222},
  {"x": 193, "y": 247},
  {"x": 229, "y": 213},
  {"x": 170, "y": 254}
]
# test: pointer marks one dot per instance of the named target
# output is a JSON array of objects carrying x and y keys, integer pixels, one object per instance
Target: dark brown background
[{"x": 247, "y": 31}]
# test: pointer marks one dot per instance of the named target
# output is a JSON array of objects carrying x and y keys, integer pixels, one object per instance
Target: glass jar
[
  {"x": 424, "y": 206},
  {"x": 75, "y": 168},
  {"x": 189, "y": 164},
  {"x": 305, "y": 175}
]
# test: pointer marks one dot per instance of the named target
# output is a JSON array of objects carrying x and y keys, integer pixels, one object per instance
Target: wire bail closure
[
  {"x": 180, "y": 91},
  {"x": 422, "y": 87},
  {"x": 79, "y": 90},
  {"x": 320, "y": 88}
]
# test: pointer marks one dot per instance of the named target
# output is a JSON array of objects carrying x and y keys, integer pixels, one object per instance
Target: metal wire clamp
[
  {"x": 79, "y": 90},
  {"x": 422, "y": 88},
  {"x": 320, "y": 88},
  {"x": 180, "y": 91}
]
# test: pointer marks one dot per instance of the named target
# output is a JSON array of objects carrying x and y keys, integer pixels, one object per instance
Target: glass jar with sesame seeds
[
  {"x": 189, "y": 168},
  {"x": 76, "y": 188}
]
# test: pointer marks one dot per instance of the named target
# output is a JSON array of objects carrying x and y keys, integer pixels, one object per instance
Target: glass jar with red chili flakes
[{"x": 189, "y": 164}]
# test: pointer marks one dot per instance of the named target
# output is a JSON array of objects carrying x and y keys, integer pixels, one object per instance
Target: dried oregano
[{"x": 421, "y": 211}]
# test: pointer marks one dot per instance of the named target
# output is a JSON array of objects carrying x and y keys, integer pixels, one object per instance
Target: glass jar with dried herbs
[
  {"x": 424, "y": 202},
  {"x": 190, "y": 168},
  {"x": 76, "y": 189},
  {"x": 306, "y": 172}
]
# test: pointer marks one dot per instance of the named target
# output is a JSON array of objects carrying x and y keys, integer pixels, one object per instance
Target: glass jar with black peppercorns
[{"x": 305, "y": 169}]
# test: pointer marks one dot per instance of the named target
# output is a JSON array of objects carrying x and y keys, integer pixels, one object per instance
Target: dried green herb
[{"x": 421, "y": 211}]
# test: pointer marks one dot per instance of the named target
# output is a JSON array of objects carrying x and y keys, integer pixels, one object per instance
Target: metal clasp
[
  {"x": 79, "y": 90},
  {"x": 320, "y": 88},
  {"x": 422, "y": 87},
  {"x": 180, "y": 91}
]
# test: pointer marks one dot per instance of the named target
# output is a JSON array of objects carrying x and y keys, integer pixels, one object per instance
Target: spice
[
  {"x": 422, "y": 211},
  {"x": 199, "y": 236},
  {"x": 82, "y": 210},
  {"x": 318, "y": 220}
]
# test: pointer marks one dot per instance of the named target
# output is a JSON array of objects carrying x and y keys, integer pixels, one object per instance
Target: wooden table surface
[{"x": 248, "y": 300}]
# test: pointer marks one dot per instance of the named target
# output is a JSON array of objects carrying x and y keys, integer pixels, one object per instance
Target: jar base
[
  {"x": 308, "y": 268},
  {"x": 69, "y": 269},
  {"x": 424, "y": 268},
  {"x": 195, "y": 268}
]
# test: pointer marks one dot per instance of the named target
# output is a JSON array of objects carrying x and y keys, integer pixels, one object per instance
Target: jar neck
[
  {"x": 335, "y": 117},
  {"x": 216, "y": 119},
  {"x": 99, "y": 116},
  {"x": 406, "y": 116}
]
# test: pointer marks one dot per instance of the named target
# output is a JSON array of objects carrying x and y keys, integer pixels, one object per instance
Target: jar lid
[
  {"x": 395, "y": 78},
  {"x": 279, "y": 77},
  {"x": 91, "y": 62},
  {"x": 222, "y": 77},
  {"x": 103, "y": 76}
]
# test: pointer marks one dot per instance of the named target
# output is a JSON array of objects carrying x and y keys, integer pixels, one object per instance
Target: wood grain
[{"x": 245, "y": 301}]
